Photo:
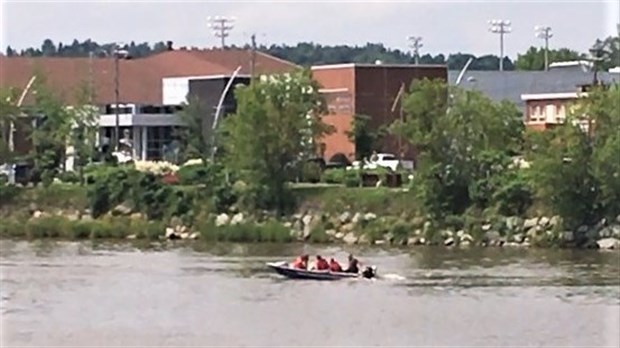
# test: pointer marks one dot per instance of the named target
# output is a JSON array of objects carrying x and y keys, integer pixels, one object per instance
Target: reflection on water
[{"x": 163, "y": 294}]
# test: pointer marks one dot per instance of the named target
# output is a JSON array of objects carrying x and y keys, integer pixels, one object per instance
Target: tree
[
  {"x": 52, "y": 130},
  {"x": 610, "y": 51},
  {"x": 364, "y": 137},
  {"x": 83, "y": 118},
  {"x": 8, "y": 115},
  {"x": 276, "y": 123},
  {"x": 196, "y": 131},
  {"x": 534, "y": 58},
  {"x": 464, "y": 141},
  {"x": 576, "y": 172}
]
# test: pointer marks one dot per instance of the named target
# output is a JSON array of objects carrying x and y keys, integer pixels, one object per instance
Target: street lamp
[
  {"x": 501, "y": 27},
  {"x": 221, "y": 26},
  {"x": 118, "y": 54},
  {"x": 415, "y": 43},
  {"x": 544, "y": 32}
]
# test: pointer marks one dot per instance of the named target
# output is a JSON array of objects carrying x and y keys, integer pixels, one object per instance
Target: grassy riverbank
[{"x": 324, "y": 214}]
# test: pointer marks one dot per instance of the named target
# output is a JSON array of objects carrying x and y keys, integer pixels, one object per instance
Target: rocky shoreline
[{"x": 370, "y": 229}]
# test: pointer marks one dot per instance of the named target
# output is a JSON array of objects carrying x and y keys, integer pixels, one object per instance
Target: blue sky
[{"x": 446, "y": 26}]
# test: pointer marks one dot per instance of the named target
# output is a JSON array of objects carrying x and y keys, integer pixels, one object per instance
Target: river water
[{"x": 107, "y": 294}]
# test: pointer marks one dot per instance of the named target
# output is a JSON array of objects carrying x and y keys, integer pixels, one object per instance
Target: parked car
[{"x": 385, "y": 160}]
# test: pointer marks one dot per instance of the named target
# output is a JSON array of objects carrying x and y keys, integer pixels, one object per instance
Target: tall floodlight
[
  {"x": 544, "y": 32},
  {"x": 501, "y": 27},
  {"x": 221, "y": 26},
  {"x": 415, "y": 43}
]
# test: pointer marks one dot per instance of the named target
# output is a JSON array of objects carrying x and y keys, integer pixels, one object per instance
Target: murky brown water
[{"x": 80, "y": 294}]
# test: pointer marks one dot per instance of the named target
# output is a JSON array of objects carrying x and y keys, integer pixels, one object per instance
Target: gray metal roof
[{"x": 510, "y": 85}]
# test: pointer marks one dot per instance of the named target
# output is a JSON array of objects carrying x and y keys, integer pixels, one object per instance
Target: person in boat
[
  {"x": 321, "y": 264},
  {"x": 354, "y": 265},
  {"x": 301, "y": 262},
  {"x": 334, "y": 266}
]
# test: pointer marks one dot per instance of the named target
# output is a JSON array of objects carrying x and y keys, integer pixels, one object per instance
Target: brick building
[
  {"x": 366, "y": 89},
  {"x": 151, "y": 89}
]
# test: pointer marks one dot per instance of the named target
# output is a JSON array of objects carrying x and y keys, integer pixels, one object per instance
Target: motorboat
[{"x": 285, "y": 269}]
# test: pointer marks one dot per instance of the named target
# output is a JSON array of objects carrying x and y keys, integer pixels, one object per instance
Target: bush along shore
[{"x": 318, "y": 220}]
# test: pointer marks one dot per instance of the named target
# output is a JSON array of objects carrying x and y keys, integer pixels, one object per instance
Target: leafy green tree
[
  {"x": 84, "y": 127},
  {"x": 534, "y": 58},
  {"x": 276, "y": 123},
  {"x": 576, "y": 171},
  {"x": 196, "y": 133},
  {"x": 464, "y": 141},
  {"x": 8, "y": 115},
  {"x": 365, "y": 138},
  {"x": 52, "y": 130},
  {"x": 610, "y": 52}
]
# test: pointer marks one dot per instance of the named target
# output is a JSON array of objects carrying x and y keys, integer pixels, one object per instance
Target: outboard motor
[{"x": 369, "y": 272}]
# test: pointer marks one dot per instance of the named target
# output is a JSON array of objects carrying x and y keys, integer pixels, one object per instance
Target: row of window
[
  {"x": 550, "y": 113},
  {"x": 142, "y": 109}
]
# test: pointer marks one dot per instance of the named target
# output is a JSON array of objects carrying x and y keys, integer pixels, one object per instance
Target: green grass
[{"x": 379, "y": 200}]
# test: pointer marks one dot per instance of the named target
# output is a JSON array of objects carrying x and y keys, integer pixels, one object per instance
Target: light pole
[
  {"x": 221, "y": 26},
  {"x": 544, "y": 32},
  {"x": 415, "y": 43},
  {"x": 501, "y": 27},
  {"x": 118, "y": 53}
]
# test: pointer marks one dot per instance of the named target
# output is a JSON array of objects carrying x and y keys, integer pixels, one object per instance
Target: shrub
[
  {"x": 81, "y": 229},
  {"x": 311, "y": 172},
  {"x": 349, "y": 178},
  {"x": 11, "y": 228},
  {"x": 48, "y": 227},
  {"x": 69, "y": 177},
  {"x": 318, "y": 235},
  {"x": 401, "y": 231}
]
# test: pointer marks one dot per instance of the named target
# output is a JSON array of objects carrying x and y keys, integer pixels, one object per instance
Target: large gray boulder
[
  {"x": 608, "y": 243},
  {"x": 350, "y": 238},
  {"x": 529, "y": 223},
  {"x": 222, "y": 219}
]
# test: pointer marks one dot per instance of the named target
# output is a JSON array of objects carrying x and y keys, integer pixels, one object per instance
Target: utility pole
[
  {"x": 118, "y": 54},
  {"x": 544, "y": 32},
  {"x": 253, "y": 58},
  {"x": 501, "y": 27},
  {"x": 221, "y": 26},
  {"x": 415, "y": 43}
]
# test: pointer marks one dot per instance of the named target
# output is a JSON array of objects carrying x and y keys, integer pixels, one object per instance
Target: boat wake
[{"x": 392, "y": 277}]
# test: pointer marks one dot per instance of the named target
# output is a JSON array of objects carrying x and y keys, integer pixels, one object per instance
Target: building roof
[
  {"x": 140, "y": 80},
  {"x": 377, "y": 65},
  {"x": 510, "y": 85}
]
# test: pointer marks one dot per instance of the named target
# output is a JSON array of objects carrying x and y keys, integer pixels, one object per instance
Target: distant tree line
[{"x": 308, "y": 53}]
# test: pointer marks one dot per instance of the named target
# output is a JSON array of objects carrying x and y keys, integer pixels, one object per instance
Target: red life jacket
[
  {"x": 334, "y": 266},
  {"x": 300, "y": 263},
  {"x": 322, "y": 265}
]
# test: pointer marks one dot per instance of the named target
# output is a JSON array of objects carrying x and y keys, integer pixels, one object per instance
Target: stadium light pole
[
  {"x": 501, "y": 27},
  {"x": 118, "y": 54},
  {"x": 221, "y": 26},
  {"x": 415, "y": 43},
  {"x": 545, "y": 33}
]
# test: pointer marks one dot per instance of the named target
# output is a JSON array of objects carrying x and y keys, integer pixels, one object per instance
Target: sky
[{"x": 445, "y": 26}]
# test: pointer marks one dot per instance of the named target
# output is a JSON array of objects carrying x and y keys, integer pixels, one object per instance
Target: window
[
  {"x": 561, "y": 114},
  {"x": 535, "y": 114},
  {"x": 550, "y": 112},
  {"x": 157, "y": 139}
]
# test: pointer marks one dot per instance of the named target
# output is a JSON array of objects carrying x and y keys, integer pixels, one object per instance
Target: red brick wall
[
  {"x": 377, "y": 88},
  {"x": 342, "y": 105},
  {"x": 373, "y": 89},
  {"x": 338, "y": 141}
]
